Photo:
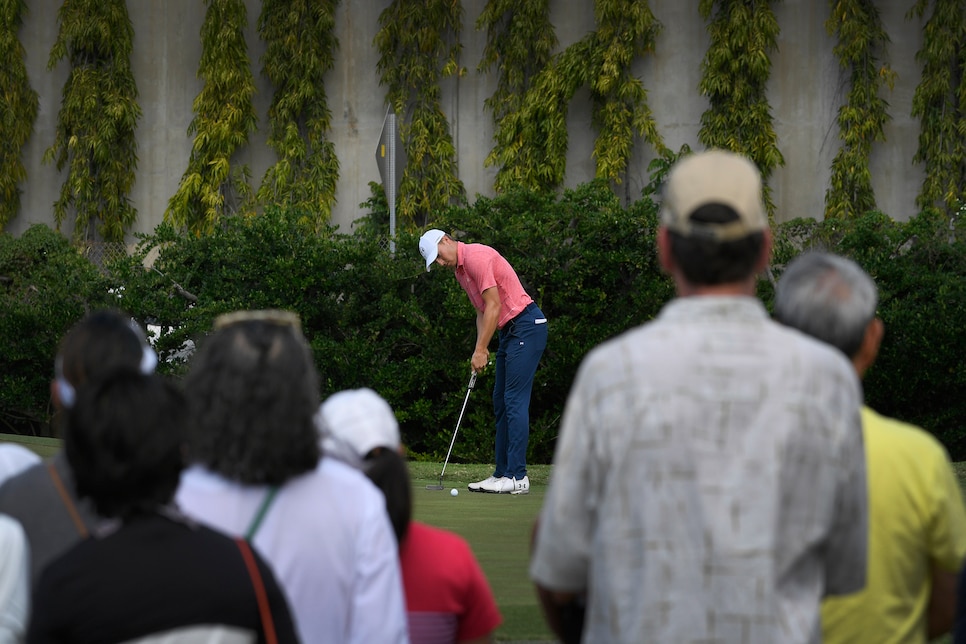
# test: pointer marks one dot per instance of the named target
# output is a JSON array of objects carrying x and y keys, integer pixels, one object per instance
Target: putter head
[{"x": 436, "y": 487}]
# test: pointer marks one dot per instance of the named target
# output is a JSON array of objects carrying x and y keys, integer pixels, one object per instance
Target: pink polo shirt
[{"x": 479, "y": 267}]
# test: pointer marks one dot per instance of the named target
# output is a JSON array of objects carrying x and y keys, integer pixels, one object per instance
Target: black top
[{"x": 153, "y": 574}]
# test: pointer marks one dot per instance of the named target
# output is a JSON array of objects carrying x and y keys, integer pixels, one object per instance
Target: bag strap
[
  {"x": 68, "y": 503},
  {"x": 262, "y": 511},
  {"x": 264, "y": 610}
]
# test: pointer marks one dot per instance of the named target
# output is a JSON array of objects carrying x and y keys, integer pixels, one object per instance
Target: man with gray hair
[
  {"x": 708, "y": 482},
  {"x": 917, "y": 522}
]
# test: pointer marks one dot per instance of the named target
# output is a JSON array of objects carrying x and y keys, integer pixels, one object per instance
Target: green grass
[
  {"x": 498, "y": 528},
  {"x": 44, "y": 447}
]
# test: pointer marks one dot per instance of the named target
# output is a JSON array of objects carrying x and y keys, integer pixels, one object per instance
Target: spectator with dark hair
[
  {"x": 253, "y": 392},
  {"x": 42, "y": 497},
  {"x": 708, "y": 482},
  {"x": 447, "y": 595},
  {"x": 154, "y": 573},
  {"x": 917, "y": 521}
]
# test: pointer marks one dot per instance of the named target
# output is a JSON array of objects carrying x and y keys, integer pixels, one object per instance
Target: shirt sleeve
[
  {"x": 561, "y": 558},
  {"x": 947, "y": 524},
  {"x": 479, "y": 267},
  {"x": 378, "y": 603},
  {"x": 14, "y": 582},
  {"x": 482, "y": 615},
  {"x": 847, "y": 545}
]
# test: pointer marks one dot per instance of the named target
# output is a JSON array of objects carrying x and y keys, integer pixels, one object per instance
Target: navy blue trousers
[{"x": 522, "y": 341}]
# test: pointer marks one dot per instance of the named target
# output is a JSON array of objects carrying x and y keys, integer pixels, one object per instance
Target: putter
[{"x": 469, "y": 388}]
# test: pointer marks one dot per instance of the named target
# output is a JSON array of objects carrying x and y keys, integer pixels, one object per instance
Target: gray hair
[{"x": 827, "y": 297}]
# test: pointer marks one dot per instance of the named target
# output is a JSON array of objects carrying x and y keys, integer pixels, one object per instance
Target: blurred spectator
[
  {"x": 708, "y": 482},
  {"x": 253, "y": 391},
  {"x": 43, "y": 497},
  {"x": 447, "y": 595},
  {"x": 153, "y": 572},
  {"x": 917, "y": 521}
]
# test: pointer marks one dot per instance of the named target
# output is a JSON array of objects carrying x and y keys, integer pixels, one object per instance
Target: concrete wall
[{"x": 805, "y": 92}]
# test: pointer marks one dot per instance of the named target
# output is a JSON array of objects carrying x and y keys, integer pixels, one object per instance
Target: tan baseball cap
[{"x": 714, "y": 176}]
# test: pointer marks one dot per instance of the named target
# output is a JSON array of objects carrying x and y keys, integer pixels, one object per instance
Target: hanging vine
[
  {"x": 97, "y": 120},
  {"x": 940, "y": 103},
  {"x": 735, "y": 74},
  {"x": 18, "y": 108},
  {"x": 300, "y": 49},
  {"x": 418, "y": 43},
  {"x": 224, "y": 118},
  {"x": 626, "y": 30},
  {"x": 519, "y": 43},
  {"x": 861, "y": 42},
  {"x": 532, "y": 141}
]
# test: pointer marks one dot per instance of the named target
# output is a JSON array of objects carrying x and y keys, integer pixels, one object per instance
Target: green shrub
[
  {"x": 920, "y": 270},
  {"x": 378, "y": 319},
  {"x": 45, "y": 287}
]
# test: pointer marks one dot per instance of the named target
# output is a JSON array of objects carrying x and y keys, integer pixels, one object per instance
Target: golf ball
[{"x": 454, "y": 492}]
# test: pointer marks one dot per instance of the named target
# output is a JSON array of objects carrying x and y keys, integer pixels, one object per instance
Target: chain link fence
[{"x": 101, "y": 253}]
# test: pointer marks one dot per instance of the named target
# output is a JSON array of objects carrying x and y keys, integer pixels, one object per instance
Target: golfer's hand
[{"x": 481, "y": 357}]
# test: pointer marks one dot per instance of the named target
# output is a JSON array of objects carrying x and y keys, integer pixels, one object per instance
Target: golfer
[{"x": 501, "y": 303}]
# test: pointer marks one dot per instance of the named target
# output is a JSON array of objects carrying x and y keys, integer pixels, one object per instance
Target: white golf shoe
[
  {"x": 485, "y": 483},
  {"x": 521, "y": 486},
  {"x": 507, "y": 485}
]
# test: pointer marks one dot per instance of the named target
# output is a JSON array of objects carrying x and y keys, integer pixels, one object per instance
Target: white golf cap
[
  {"x": 714, "y": 177},
  {"x": 353, "y": 422},
  {"x": 429, "y": 246}
]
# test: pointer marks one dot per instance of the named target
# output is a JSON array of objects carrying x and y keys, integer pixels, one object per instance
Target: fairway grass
[{"x": 498, "y": 528}]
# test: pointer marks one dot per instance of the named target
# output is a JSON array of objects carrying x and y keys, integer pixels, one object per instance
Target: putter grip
[{"x": 472, "y": 380}]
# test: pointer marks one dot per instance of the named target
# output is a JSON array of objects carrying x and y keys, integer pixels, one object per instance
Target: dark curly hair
[
  {"x": 124, "y": 440},
  {"x": 253, "y": 390}
]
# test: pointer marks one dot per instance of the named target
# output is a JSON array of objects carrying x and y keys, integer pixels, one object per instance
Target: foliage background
[{"x": 380, "y": 320}]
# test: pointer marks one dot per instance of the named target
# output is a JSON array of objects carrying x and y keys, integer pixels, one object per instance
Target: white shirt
[
  {"x": 14, "y": 581},
  {"x": 708, "y": 482},
  {"x": 328, "y": 539}
]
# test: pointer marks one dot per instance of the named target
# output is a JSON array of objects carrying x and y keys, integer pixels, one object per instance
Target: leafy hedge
[
  {"x": 919, "y": 267},
  {"x": 45, "y": 286},
  {"x": 380, "y": 320}
]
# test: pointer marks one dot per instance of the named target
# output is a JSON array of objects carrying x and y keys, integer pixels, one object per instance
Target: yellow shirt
[{"x": 916, "y": 518}]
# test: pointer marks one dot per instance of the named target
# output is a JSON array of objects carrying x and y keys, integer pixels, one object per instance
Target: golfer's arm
[
  {"x": 487, "y": 320},
  {"x": 942, "y": 602}
]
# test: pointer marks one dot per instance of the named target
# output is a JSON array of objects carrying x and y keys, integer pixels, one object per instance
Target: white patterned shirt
[{"x": 708, "y": 482}]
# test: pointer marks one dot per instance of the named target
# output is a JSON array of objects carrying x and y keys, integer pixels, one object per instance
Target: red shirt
[
  {"x": 479, "y": 267},
  {"x": 447, "y": 595}
]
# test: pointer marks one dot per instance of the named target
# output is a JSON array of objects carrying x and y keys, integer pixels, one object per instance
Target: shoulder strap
[
  {"x": 264, "y": 610},
  {"x": 262, "y": 511},
  {"x": 68, "y": 503}
]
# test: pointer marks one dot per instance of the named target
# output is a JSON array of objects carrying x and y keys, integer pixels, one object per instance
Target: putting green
[{"x": 498, "y": 528}]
